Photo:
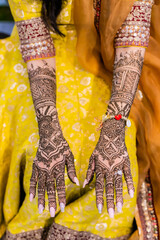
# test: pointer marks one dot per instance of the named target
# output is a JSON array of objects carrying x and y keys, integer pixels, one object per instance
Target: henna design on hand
[
  {"x": 110, "y": 158},
  {"x": 53, "y": 151}
]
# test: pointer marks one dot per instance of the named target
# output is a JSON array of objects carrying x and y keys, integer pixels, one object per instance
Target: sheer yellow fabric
[{"x": 81, "y": 99}]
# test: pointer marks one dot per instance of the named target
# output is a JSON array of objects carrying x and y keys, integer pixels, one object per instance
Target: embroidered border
[
  {"x": 146, "y": 211},
  {"x": 97, "y": 8},
  {"x": 58, "y": 232},
  {"x": 35, "y": 39},
  {"x": 135, "y": 31},
  {"x": 40, "y": 234}
]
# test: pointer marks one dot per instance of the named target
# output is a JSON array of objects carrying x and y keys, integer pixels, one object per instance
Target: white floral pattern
[{"x": 21, "y": 88}]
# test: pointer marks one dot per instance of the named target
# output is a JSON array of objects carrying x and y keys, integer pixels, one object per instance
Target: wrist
[
  {"x": 118, "y": 108},
  {"x": 115, "y": 132},
  {"x": 112, "y": 124},
  {"x": 48, "y": 125}
]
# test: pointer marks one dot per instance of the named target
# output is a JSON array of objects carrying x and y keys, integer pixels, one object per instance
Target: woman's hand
[
  {"x": 49, "y": 165},
  {"x": 110, "y": 160}
]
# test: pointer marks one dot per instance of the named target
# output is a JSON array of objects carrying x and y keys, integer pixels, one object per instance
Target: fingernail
[
  {"x": 100, "y": 208},
  {"x": 31, "y": 197},
  {"x": 85, "y": 183},
  {"x": 40, "y": 208},
  {"x": 62, "y": 206},
  {"x": 111, "y": 212},
  {"x": 131, "y": 193},
  {"x": 119, "y": 207},
  {"x": 52, "y": 212},
  {"x": 76, "y": 181}
]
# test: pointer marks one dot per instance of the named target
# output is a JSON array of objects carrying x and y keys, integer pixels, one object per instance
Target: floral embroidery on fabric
[
  {"x": 135, "y": 31},
  {"x": 35, "y": 39}
]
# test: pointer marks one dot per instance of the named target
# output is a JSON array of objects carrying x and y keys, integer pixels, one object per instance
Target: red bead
[{"x": 118, "y": 117}]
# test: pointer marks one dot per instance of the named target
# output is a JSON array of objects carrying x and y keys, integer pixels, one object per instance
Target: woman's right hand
[{"x": 49, "y": 165}]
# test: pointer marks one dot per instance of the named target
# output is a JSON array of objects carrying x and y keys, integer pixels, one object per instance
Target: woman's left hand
[{"x": 110, "y": 161}]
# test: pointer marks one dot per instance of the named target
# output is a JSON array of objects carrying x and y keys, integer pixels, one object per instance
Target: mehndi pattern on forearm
[
  {"x": 135, "y": 31},
  {"x": 43, "y": 88},
  {"x": 36, "y": 42},
  {"x": 127, "y": 70}
]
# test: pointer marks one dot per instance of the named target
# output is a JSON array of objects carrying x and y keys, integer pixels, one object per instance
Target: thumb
[
  {"x": 71, "y": 169},
  {"x": 90, "y": 171}
]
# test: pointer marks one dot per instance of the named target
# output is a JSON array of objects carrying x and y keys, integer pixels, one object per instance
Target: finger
[
  {"x": 41, "y": 191},
  {"x": 128, "y": 177},
  {"x": 90, "y": 171},
  {"x": 51, "y": 194},
  {"x": 71, "y": 168},
  {"x": 33, "y": 182},
  {"x": 85, "y": 183},
  {"x": 31, "y": 197},
  {"x": 99, "y": 188},
  {"x": 119, "y": 189},
  {"x": 76, "y": 181},
  {"x": 110, "y": 194},
  {"x": 60, "y": 186}
]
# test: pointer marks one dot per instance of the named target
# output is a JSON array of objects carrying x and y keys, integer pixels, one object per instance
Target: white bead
[
  {"x": 104, "y": 118},
  {"x": 140, "y": 95},
  {"x": 128, "y": 123},
  {"x": 119, "y": 172}
]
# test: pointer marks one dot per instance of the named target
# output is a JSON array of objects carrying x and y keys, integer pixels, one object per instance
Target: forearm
[
  {"x": 38, "y": 51},
  {"x": 130, "y": 45},
  {"x": 127, "y": 71},
  {"x": 43, "y": 88}
]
